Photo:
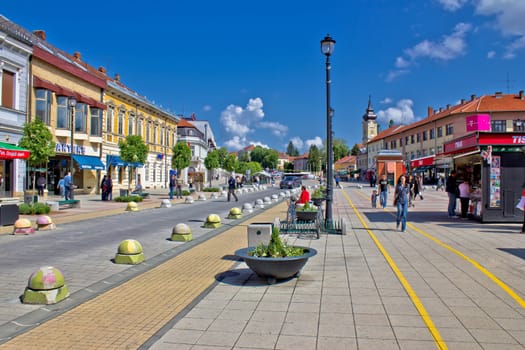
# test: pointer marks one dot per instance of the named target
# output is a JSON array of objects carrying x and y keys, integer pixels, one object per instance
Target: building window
[
  {"x": 424, "y": 135},
  {"x": 440, "y": 131},
  {"x": 439, "y": 149},
  {"x": 8, "y": 89},
  {"x": 109, "y": 119},
  {"x": 148, "y": 131},
  {"x": 401, "y": 142},
  {"x": 418, "y": 153},
  {"x": 412, "y": 139},
  {"x": 406, "y": 140},
  {"x": 96, "y": 121},
  {"x": 146, "y": 174},
  {"x": 62, "y": 113},
  {"x": 131, "y": 121},
  {"x": 418, "y": 137},
  {"x": 120, "y": 122},
  {"x": 139, "y": 127},
  {"x": 156, "y": 134},
  {"x": 498, "y": 125},
  {"x": 80, "y": 117},
  {"x": 450, "y": 129},
  {"x": 519, "y": 125},
  {"x": 431, "y": 134},
  {"x": 43, "y": 105}
]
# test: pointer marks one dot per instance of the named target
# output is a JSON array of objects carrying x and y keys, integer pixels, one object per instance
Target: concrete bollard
[
  {"x": 259, "y": 203},
  {"x": 267, "y": 200},
  {"x": 201, "y": 197},
  {"x": 181, "y": 233},
  {"x": 45, "y": 286},
  {"x": 189, "y": 200},
  {"x": 214, "y": 195},
  {"x": 44, "y": 223},
  {"x": 235, "y": 213},
  {"x": 23, "y": 226},
  {"x": 132, "y": 206},
  {"x": 166, "y": 203},
  {"x": 213, "y": 221},
  {"x": 247, "y": 207},
  {"x": 129, "y": 252},
  {"x": 275, "y": 198}
]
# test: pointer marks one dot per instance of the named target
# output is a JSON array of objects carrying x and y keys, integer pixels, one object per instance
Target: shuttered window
[{"x": 8, "y": 89}]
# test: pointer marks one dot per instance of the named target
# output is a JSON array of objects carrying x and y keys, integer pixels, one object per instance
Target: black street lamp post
[
  {"x": 72, "y": 104},
  {"x": 327, "y": 48}
]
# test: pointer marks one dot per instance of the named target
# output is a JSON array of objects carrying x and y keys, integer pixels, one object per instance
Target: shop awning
[
  {"x": 113, "y": 160},
  {"x": 89, "y": 162},
  {"x": 422, "y": 162},
  {"x": 9, "y": 151}
]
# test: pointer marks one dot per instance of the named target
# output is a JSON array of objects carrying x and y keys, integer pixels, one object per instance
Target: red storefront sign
[
  {"x": 460, "y": 144},
  {"x": 501, "y": 139},
  {"x": 425, "y": 161},
  {"x": 8, "y": 151}
]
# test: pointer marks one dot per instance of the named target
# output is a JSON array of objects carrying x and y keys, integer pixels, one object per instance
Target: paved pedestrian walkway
[{"x": 446, "y": 283}]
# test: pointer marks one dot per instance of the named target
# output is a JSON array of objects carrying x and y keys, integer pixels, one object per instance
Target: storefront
[
  {"x": 494, "y": 165},
  {"x": 12, "y": 169},
  {"x": 424, "y": 167}
]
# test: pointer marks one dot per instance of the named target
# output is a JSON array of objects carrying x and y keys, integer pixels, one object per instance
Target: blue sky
[{"x": 255, "y": 70}]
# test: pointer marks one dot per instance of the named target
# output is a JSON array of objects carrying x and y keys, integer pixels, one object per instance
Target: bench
[
  {"x": 142, "y": 194},
  {"x": 70, "y": 203}
]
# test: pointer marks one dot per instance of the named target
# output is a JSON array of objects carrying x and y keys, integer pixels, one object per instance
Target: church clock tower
[{"x": 369, "y": 124}]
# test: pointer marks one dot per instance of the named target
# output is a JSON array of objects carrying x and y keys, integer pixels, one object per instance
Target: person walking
[
  {"x": 109, "y": 188},
  {"x": 231, "y": 188},
  {"x": 60, "y": 186},
  {"x": 179, "y": 187},
  {"x": 68, "y": 186},
  {"x": 384, "y": 187},
  {"x": 418, "y": 187},
  {"x": 401, "y": 197},
  {"x": 453, "y": 192},
  {"x": 104, "y": 188},
  {"x": 464, "y": 197},
  {"x": 173, "y": 184},
  {"x": 41, "y": 184}
]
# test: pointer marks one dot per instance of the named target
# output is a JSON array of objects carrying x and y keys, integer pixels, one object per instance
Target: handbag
[{"x": 521, "y": 204}]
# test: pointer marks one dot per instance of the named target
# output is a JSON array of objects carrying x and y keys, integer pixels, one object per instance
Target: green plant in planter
[
  {"x": 276, "y": 248},
  {"x": 307, "y": 207}
]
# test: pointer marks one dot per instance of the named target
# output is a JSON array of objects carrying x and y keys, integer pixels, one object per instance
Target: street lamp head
[
  {"x": 327, "y": 45},
  {"x": 72, "y": 102}
]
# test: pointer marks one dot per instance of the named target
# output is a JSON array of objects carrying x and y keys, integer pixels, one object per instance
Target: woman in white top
[{"x": 464, "y": 197}]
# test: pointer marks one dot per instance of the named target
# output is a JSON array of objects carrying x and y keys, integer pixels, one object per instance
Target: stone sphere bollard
[
  {"x": 235, "y": 214},
  {"x": 132, "y": 206},
  {"x": 201, "y": 197},
  {"x": 166, "y": 203},
  {"x": 213, "y": 221},
  {"x": 214, "y": 195},
  {"x": 44, "y": 222},
  {"x": 224, "y": 194},
  {"x": 129, "y": 252},
  {"x": 189, "y": 200},
  {"x": 259, "y": 203},
  {"x": 23, "y": 226},
  {"x": 267, "y": 200},
  {"x": 45, "y": 286},
  {"x": 275, "y": 198},
  {"x": 247, "y": 207},
  {"x": 181, "y": 233}
]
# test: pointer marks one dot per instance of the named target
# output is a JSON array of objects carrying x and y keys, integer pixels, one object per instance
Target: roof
[
  {"x": 183, "y": 123},
  {"x": 347, "y": 159},
  {"x": 391, "y": 130}
]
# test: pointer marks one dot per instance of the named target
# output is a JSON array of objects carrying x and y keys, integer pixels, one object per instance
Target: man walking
[
  {"x": 173, "y": 183},
  {"x": 231, "y": 188},
  {"x": 453, "y": 193},
  {"x": 68, "y": 186},
  {"x": 383, "y": 191}
]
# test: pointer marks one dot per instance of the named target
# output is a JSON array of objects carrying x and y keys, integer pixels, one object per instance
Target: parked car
[{"x": 290, "y": 182}]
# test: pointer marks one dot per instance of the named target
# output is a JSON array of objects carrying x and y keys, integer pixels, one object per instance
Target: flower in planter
[{"x": 276, "y": 248}]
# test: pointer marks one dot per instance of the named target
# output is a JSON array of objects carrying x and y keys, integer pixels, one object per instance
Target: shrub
[
  {"x": 37, "y": 208},
  {"x": 276, "y": 248},
  {"x": 126, "y": 199},
  {"x": 25, "y": 209},
  {"x": 186, "y": 192},
  {"x": 211, "y": 189}
]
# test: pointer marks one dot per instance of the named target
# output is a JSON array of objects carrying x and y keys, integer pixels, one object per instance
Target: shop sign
[
  {"x": 66, "y": 148},
  {"x": 425, "y": 161},
  {"x": 460, "y": 144},
  {"x": 478, "y": 122},
  {"x": 502, "y": 139}
]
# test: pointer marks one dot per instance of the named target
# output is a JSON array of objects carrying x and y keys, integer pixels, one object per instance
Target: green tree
[
  {"x": 39, "y": 141},
  {"x": 132, "y": 150},
  {"x": 270, "y": 159},
  {"x": 258, "y": 154},
  {"x": 355, "y": 150},
  {"x": 291, "y": 150},
  {"x": 314, "y": 159},
  {"x": 181, "y": 156},
  {"x": 340, "y": 149},
  {"x": 288, "y": 166},
  {"x": 230, "y": 162},
  {"x": 211, "y": 162},
  {"x": 223, "y": 154}
]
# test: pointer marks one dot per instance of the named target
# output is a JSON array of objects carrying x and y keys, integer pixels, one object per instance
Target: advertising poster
[{"x": 495, "y": 182}]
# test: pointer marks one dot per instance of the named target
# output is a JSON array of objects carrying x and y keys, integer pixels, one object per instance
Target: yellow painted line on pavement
[
  {"x": 474, "y": 263},
  {"x": 440, "y": 343}
]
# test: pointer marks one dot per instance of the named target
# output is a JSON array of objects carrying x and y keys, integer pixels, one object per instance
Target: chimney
[
  {"x": 498, "y": 94},
  {"x": 521, "y": 94},
  {"x": 440, "y": 109},
  {"x": 462, "y": 100},
  {"x": 117, "y": 77},
  {"x": 472, "y": 97},
  {"x": 77, "y": 55},
  {"x": 448, "y": 106},
  {"x": 430, "y": 111},
  {"x": 102, "y": 69},
  {"x": 40, "y": 33}
]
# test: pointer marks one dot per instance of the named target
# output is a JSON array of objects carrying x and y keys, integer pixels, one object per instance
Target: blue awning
[
  {"x": 89, "y": 162},
  {"x": 113, "y": 160}
]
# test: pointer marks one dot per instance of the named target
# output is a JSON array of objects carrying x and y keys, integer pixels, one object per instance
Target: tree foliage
[
  {"x": 230, "y": 162},
  {"x": 181, "y": 156},
  {"x": 268, "y": 158},
  {"x": 39, "y": 141},
  {"x": 340, "y": 149},
  {"x": 212, "y": 162},
  {"x": 355, "y": 150},
  {"x": 223, "y": 154},
  {"x": 291, "y": 150},
  {"x": 314, "y": 158},
  {"x": 288, "y": 166},
  {"x": 133, "y": 150}
]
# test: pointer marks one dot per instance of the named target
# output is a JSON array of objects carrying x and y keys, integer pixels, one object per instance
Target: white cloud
[
  {"x": 491, "y": 54},
  {"x": 386, "y": 100},
  {"x": 393, "y": 74},
  {"x": 450, "y": 47},
  {"x": 239, "y": 121},
  {"x": 235, "y": 143},
  {"x": 277, "y": 129},
  {"x": 258, "y": 143},
  {"x": 401, "y": 114},
  {"x": 452, "y": 5},
  {"x": 509, "y": 21},
  {"x": 297, "y": 142},
  {"x": 206, "y": 108},
  {"x": 317, "y": 141},
  {"x": 401, "y": 63}
]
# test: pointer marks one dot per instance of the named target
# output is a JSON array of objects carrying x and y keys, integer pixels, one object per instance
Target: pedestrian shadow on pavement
[{"x": 245, "y": 277}]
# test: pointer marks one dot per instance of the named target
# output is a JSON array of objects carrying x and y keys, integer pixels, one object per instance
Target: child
[{"x": 374, "y": 199}]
